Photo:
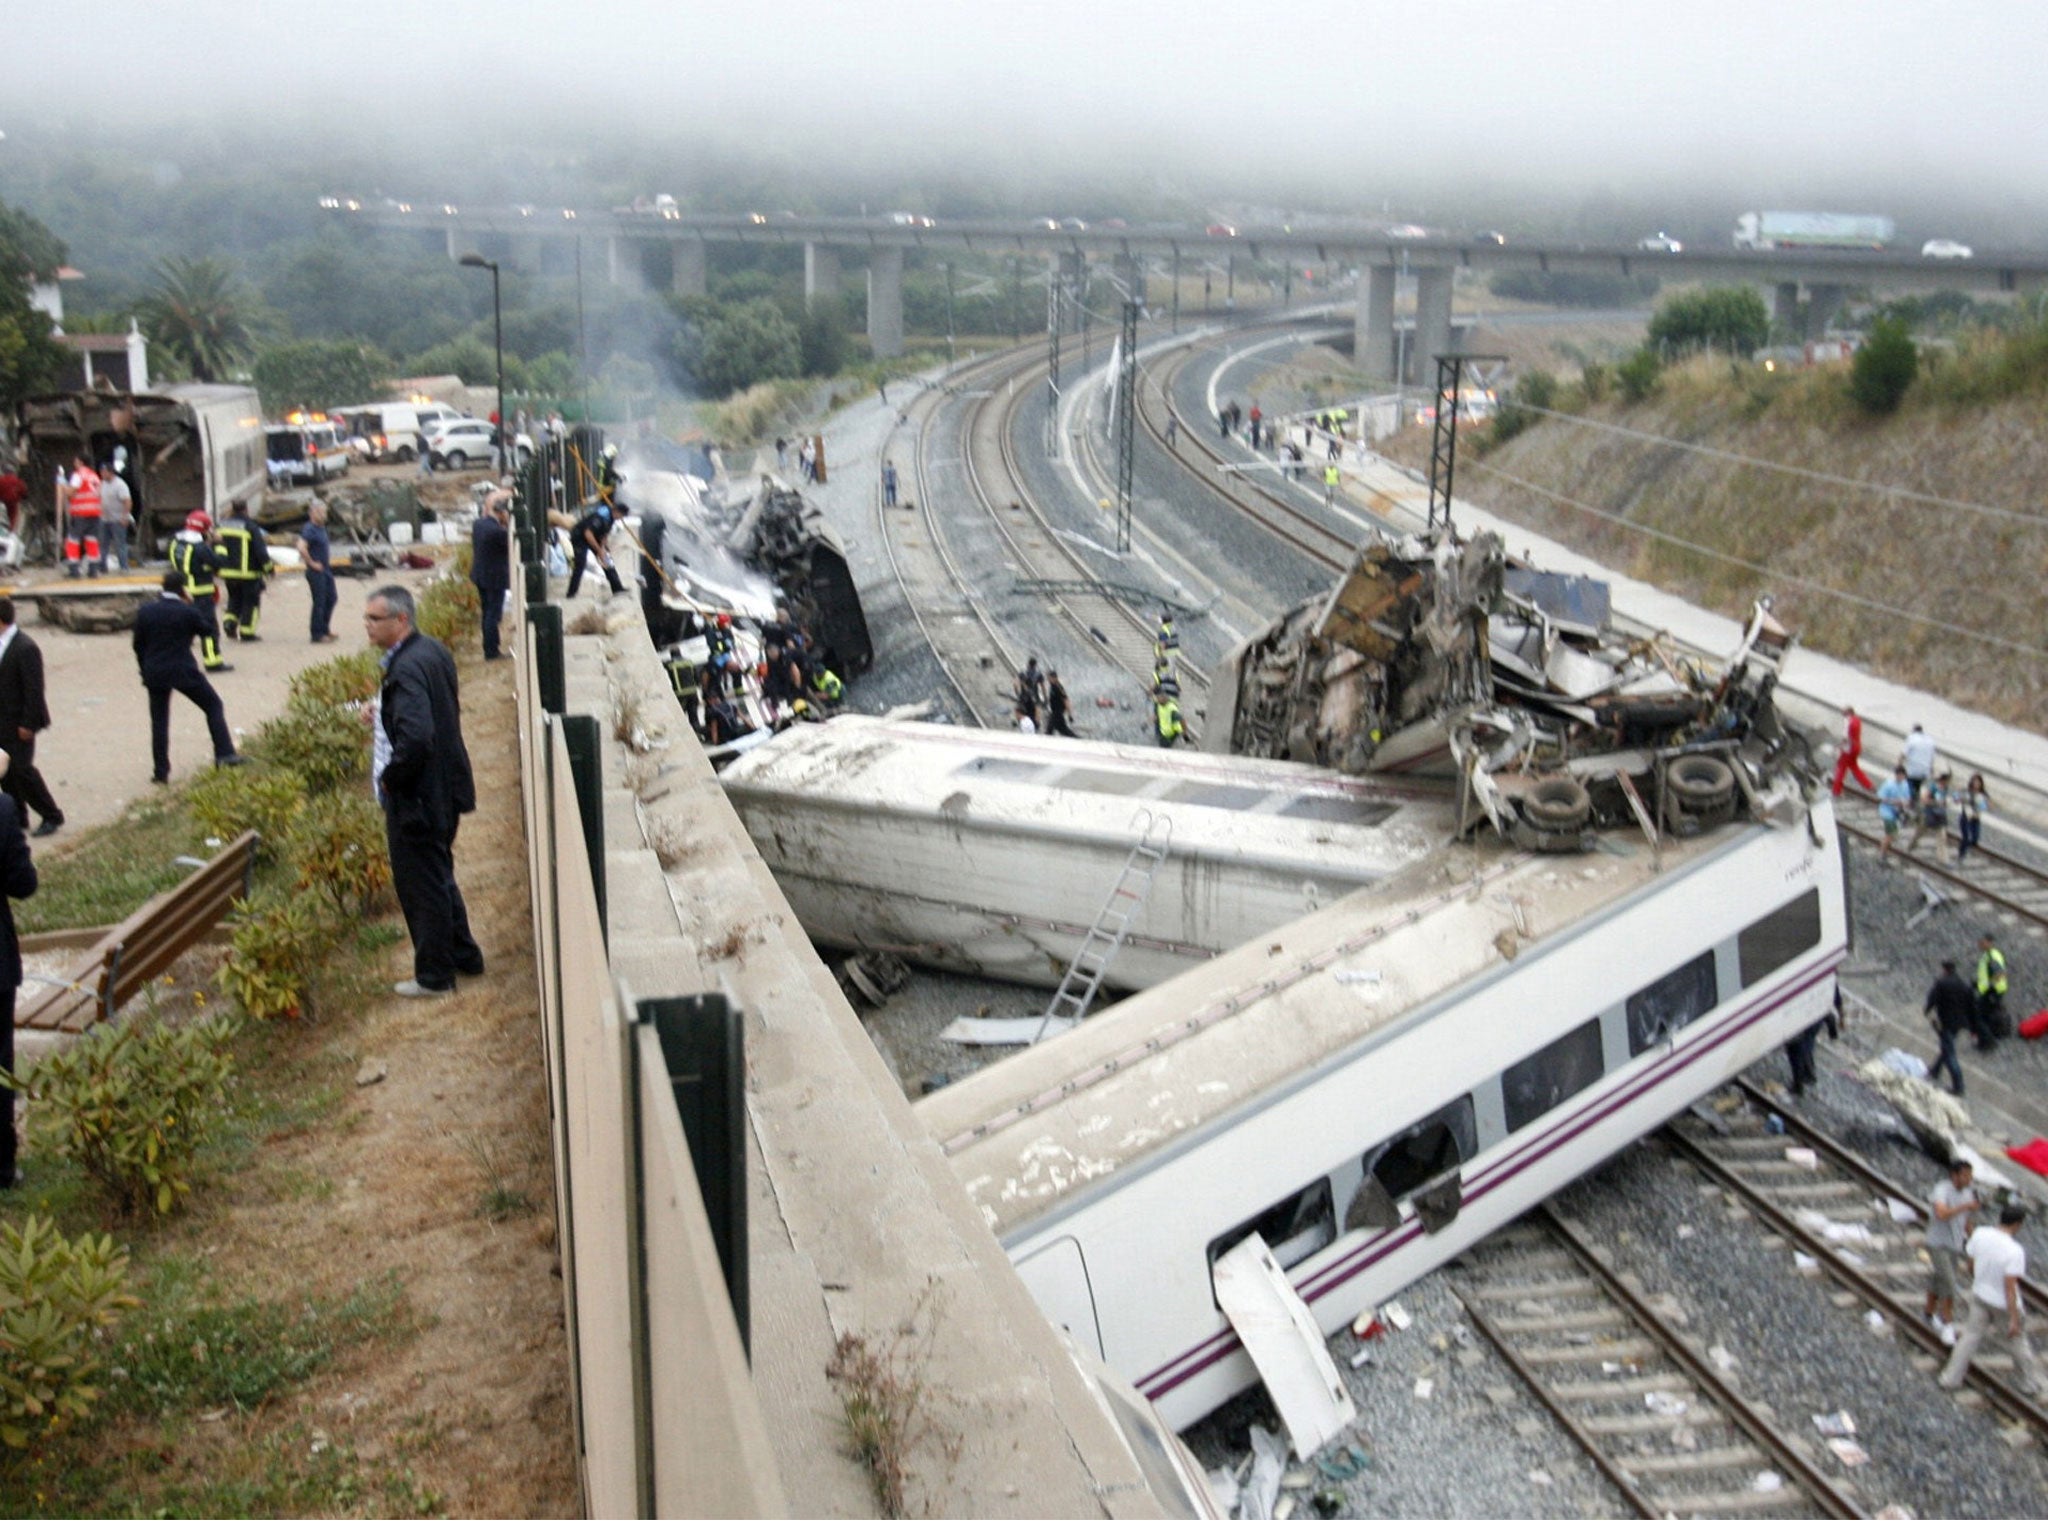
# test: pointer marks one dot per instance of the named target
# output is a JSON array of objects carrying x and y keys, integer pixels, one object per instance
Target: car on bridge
[
  {"x": 1227, "y": 231},
  {"x": 1946, "y": 250},
  {"x": 1660, "y": 242}
]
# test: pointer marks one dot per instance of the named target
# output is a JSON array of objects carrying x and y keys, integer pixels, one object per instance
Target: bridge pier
[
  {"x": 528, "y": 252},
  {"x": 689, "y": 269},
  {"x": 821, "y": 273},
  {"x": 1432, "y": 321},
  {"x": 885, "y": 300},
  {"x": 1785, "y": 306},
  {"x": 454, "y": 248},
  {"x": 1372, "y": 336},
  {"x": 1823, "y": 303}
]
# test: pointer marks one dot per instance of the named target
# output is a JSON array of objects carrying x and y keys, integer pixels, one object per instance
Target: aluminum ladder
[{"x": 1091, "y": 961}]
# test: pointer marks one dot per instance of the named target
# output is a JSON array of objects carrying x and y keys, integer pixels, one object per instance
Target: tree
[
  {"x": 752, "y": 342},
  {"x": 1883, "y": 368},
  {"x": 1726, "y": 319},
  {"x": 824, "y": 342},
  {"x": 30, "y": 357},
  {"x": 202, "y": 315},
  {"x": 318, "y": 374}
]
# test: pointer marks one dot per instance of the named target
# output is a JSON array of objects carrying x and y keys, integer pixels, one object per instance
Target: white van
[
  {"x": 391, "y": 431},
  {"x": 308, "y": 448}
]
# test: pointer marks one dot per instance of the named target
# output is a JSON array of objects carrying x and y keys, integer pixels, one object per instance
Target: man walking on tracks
[
  {"x": 244, "y": 556},
  {"x": 1951, "y": 1205},
  {"x": 1057, "y": 705},
  {"x": 164, "y": 632},
  {"x": 1952, "y": 1010},
  {"x": 420, "y": 769},
  {"x": 24, "y": 710},
  {"x": 1850, "y": 760},
  {"x": 1997, "y": 1262}
]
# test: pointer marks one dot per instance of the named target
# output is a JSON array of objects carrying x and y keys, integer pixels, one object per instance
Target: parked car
[
  {"x": 1227, "y": 231},
  {"x": 1490, "y": 237},
  {"x": 460, "y": 443},
  {"x": 1407, "y": 232},
  {"x": 1946, "y": 250},
  {"x": 1660, "y": 242},
  {"x": 1073, "y": 225}
]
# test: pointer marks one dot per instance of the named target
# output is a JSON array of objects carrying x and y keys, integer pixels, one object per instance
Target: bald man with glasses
[{"x": 421, "y": 772}]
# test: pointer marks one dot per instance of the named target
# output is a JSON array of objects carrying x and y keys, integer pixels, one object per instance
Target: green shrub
[
  {"x": 1883, "y": 368},
  {"x": 1726, "y": 319},
  {"x": 230, "y": 801},
  {"x": 448, "y": 609},
  {"x": 279, "y": 943},
  {"x": 338, "y": 850},
  {"x": 346, "y": 679},
  {"x": 323, "y": 746},
  {"x": 1594, "y": 379},
  {"x": 1637, "y": 378},
  {"x": 56, "y": 1299},
  {"x": 132, "y": 1103}
]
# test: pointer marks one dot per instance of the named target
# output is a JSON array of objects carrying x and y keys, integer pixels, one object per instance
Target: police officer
[
  {"x": 244, "y": 559},
  {"x": 193, "y": 559},
  {"x": 1991, "y": 1024},
  {"x": 1166, "y": 718}
]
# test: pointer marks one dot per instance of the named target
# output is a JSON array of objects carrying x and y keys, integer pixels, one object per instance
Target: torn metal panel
[{"x": 1285, "y": 1344}]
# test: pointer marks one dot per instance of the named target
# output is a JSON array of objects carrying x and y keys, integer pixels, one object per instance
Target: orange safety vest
[{"x": 85, "y": 495}]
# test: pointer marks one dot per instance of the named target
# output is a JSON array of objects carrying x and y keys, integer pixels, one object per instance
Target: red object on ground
[
  {"x": 2034, "y": 1026},
  {"x": 2033, "y": 1156}
]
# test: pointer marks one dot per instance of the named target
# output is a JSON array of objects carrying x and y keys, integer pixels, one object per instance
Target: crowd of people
[{"x": 1918, "y": 797}]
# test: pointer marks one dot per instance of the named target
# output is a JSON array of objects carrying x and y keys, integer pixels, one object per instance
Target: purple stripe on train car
[{"x": 1220, "y": 1346}]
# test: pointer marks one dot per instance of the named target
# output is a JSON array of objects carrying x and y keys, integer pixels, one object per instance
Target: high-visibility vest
[
  {"x": 191, "y": 559},
  {"x": 1332, "y": 476},
  {"x": 830, "y": 689},
  {"x": 236, "y": 549},
  {"x": 682, "y": 677},
  {"x": 1991, "y": 974},
  {"x": 1169, "y": 720},
  {"x": 85, "y": 494}
]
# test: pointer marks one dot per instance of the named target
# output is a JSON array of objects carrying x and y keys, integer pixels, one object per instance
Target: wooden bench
[{"x": 129, "y": 956}]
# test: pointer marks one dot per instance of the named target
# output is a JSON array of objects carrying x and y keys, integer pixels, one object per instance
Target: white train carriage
[
  {"x": 990, "y": 851},
  {"x": 1380, "y": 1084}
]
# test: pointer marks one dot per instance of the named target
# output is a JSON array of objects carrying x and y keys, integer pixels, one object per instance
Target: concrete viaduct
[{"x": 638, "y": 245}]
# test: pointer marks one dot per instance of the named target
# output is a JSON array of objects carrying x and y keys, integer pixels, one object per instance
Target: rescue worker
[
  {"x": 192, "y": 557},
  {"x": 608, "y": 474},
  {"x": 1165, "y": 641},
  {"x": 244, "y": 560},
  {"x": 592, "y": 537},
  {"x": 682, "y": 678},
  {"x": 81, "y": 497},
  {"x": 1332, "y": 478},
  {"x": 826, "y": 687},
  {"x": 1166, "y": 718},
  {"x": 1991, "y": 1025}
]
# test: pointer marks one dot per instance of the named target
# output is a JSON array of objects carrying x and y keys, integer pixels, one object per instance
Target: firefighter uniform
[
  {"x": 682, "y": 679},
  {"x": 244, "y": 559},
  {"x": 193, "y": 559}
]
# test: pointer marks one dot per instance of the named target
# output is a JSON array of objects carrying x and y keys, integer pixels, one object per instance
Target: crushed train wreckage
[{"x": 1434, "y": 655}]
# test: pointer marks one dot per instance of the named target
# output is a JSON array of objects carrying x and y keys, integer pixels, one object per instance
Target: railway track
[
  {"x": 1999, "y": 880},
  {"x": 1667, "y": 1428},
  {"x": 1868, "y": 1253}
]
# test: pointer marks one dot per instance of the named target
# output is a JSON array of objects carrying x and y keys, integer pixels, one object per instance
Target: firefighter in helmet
[
  {"x": 244, "y": 559},
  {"x": 192, "y": 557}
]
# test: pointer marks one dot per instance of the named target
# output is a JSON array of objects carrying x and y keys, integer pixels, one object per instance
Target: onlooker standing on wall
[
  {"x": 317, "y": 552},
  {"x": 117, "y": 515},
  {"x": 24, "y": 710}
]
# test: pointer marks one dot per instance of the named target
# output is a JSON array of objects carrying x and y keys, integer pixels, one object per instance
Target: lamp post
[{"x": 498, "y": 329}]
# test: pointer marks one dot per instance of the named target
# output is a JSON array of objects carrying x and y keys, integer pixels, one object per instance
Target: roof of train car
[
  {"x": 1025, "y": 1133},
  {"x": 1286, "y": 814}
]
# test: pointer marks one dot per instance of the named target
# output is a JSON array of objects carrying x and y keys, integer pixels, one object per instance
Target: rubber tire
[
  {"x": 1557, "y": 805},
  {"x": 1699, "y": 779},
  {"x": 455, "y": 460},
  {"x": 406, "y": 455}
]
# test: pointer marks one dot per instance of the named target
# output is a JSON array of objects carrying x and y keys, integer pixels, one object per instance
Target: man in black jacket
[
  {"x": 164, "y": 632},
  {"x": 17, "y": 880},
  {"x": 24, "y": 710},
  {"x": 421, "y": 772},
  {"x": 490, "y": 565}
]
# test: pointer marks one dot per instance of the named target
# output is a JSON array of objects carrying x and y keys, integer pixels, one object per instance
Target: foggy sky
[{"x": 1775, "y": 100}]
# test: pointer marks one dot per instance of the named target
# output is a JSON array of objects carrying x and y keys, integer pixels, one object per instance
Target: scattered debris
[
  {"x": 1424, "y": 1387},
  {"x": 1849, "y": 1453},
  {"x": 1834, "y": 1424},
  {"x": 1767, "y": 1482},
  {"x": 1397, "y": 1316},
  {"x": 1803, "y": 1157},
  {"x": 1541, "y": 1478},
  {"x": 1669, "y": 1404},
  {"x": 371, "y": 1071},
  {"x": 1262, "y": 1487},
  {"x": 1877, "y": 1322},
  {"x": 1724, "y": 1362},
  {"x": 1806, "y": 1263}
]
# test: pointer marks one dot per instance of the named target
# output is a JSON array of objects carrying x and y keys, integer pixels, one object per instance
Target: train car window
[
  {"x": 1538, "y": 1083},
  {"x": 1099, "y": 781},
  {"x": 1008, "y": 769},
  {"x": 1350, "y": 813},
  {"x": 1302, "y": 1224},
  {"x": 1775, "y": 941},
  {"x": 1427, "y": 1151},
  {"x": 1671, "y": 1002},
  {"x": 1223, "y": 797}
]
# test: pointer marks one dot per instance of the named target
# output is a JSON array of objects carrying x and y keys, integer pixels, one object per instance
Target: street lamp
[{"x": 498, "y": 328}]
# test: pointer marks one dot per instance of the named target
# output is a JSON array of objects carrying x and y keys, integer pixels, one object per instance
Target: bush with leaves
[
  {"x": 348, "y": 678},
  {"x": 132, "y": 1103},
  {"x": 57, "y": 1297},
  {"x": 278, "y": 945},
  {"x": 339, "y": 852},
  {"x": 227, "y": 802},
  {"x": 320, "y": 746},
  {"x": 448, "y": 609},
  {"x": 1637, "y": 378},
  {"x": 1883, "y": 368},
  {"x": 1730, "y": 320}
]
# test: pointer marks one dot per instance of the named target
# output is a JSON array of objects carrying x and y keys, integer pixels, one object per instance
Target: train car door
[{"x": 1057, "y": 1277}]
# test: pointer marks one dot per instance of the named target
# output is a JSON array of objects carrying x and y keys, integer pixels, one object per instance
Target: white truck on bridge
[{"x": 1823, "y": 231}]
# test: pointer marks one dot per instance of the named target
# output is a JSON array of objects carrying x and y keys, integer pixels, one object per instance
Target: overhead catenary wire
[{"x": 1783, "y": 577}]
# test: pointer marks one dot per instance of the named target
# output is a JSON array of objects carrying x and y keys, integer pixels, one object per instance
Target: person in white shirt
[
  {"x": 1997, "y": 1262},
  {"x": 1919, "y": 760},
  {"x": 1952, "y": 1204}
]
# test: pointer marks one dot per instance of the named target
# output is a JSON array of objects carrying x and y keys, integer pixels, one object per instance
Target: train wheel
[{"x": 1557, "y": 805}]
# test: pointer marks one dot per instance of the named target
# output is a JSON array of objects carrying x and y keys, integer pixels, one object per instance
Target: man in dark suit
[
  {"x": 490, "y": 565},
  {"x": 164, "y": 631},
  {"x": 23, "y": 712},
  {"x": 17, "y": 880},
  {"x": 421, "y": 771}
]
